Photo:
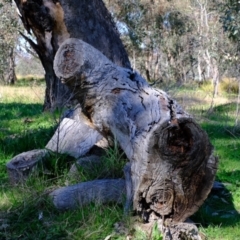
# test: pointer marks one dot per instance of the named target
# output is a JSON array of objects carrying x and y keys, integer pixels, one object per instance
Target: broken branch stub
[{"x": 172, "y": 162}]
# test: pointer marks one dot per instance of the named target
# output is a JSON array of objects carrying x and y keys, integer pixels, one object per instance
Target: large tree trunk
[
  {"x": 172, "y": 162},
  {"x": 53, "y": 21}
]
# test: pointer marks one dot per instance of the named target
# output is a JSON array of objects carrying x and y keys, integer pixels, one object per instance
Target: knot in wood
[
  {"x": 68, "y": 62},
  {"x": 161, "y": 197},
  {"x": 116, "y": 90}
]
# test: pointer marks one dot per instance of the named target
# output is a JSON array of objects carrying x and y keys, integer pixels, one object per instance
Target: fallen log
[
  {"x": 172, "y": 162},
  {"x": 97, "y": 191}
]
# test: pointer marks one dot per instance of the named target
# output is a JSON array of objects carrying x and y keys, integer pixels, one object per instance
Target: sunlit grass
[
  {"x": 23, "y": 125},
  {"x": 22, "y": 94}
]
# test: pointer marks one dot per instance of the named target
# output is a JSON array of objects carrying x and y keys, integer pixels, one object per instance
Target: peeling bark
[{"x": 172, "y": 162}]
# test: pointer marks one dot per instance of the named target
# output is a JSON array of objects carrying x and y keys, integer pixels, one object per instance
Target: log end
[
  {"x": 23, "y": 165},
  {"x": 181, "y": 169},
  {"x": 76, "y": 59}
]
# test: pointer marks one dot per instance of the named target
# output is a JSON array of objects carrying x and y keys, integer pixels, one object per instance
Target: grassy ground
[{"x": 26, "y": 212}]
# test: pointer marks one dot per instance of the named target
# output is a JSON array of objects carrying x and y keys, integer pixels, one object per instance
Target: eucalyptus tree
[
  {"x": 80, "y": 48},
  {"x": 158, "y": 37},
  {"x": 51, "y": 22},
  {"x": 173, "y": 40},
  {"x": 8, "y": 37},
  {"x": 230, "y": 20},
  {"x": 231, "y": 23}
]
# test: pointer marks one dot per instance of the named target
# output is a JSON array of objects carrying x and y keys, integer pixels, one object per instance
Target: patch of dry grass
[{"x": 22, "y": 94}]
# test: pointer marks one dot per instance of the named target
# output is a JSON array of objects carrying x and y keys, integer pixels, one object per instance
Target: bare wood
[
  {"x": 172, "y": 162},
  {"x": 73, "y": 138}
]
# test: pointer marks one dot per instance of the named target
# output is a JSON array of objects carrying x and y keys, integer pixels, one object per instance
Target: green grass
[
  {"x": 27, "y": 213},
  {"x": 31, "y": 81},
  {"x": 111, "y": 166},
  {"x": 23, "y": 127}
]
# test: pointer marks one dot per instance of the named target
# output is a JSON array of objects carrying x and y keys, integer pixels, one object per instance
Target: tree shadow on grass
[
  {"x": 24, "y": 127},
  {"x": 219, "y": 123},
  {"x": 223, "y": 113},
  {"x": 17, "y": 110},
  {"x": 28, "y": 140},
  {"x": 218, "y": 209},
  {"x": 221, "y": 130}
]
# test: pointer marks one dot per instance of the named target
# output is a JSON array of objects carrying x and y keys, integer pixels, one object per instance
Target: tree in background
[
  {"x": 168, "y": 41},
  {"x": 51, "y": 22},
  {"x": 8, "y": 38},
  {"x": 28, "y": 65},
  {"x": 230, "y": 20},
  {"x": 231, "y": 23},
  {"x": 181, "y": 41}
]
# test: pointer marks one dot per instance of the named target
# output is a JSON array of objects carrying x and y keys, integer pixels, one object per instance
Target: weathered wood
[
  {"x": 129, "y": 188},
  {"x": 181, "y": 231},
  {"x": 172, "y": 162},
  {"x": 73, "y": 138},
  {"x": 98, "y": 191},
  {"x": 23, "y": 165}
]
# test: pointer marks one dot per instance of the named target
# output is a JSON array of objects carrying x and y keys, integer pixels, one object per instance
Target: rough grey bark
[
  {"x": 98, "y": 191},
  {"x": 129, "y": 188},
  {"x": 172, "y": 162},
  {"x": 23, "y": 165},
  {"x": 53, "y": 21},
  {"x": 11, "y": 75}
]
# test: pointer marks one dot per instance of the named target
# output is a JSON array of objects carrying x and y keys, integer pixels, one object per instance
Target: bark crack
[
  {"x": 173, "y": 114},
  {"x": 119, "y": 89},
  {"x": 142, "y": 102}
]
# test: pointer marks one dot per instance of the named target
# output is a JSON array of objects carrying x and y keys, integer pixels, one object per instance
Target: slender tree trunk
[
  {"x": 216, "y": 76},
  {"x": 172, "y": 162},
  {"x": 53, "y": 21},
  {"x": 200, "y": 79},
  {"x": 238, "y": 103},
  {"x": 11, "y": 75}
]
